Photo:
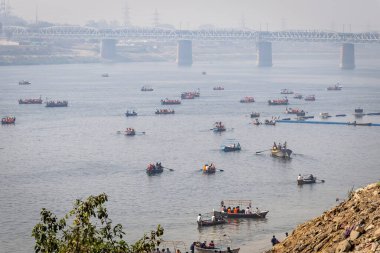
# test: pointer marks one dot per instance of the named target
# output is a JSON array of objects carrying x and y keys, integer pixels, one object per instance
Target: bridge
[{"x": 184, "y": 38}]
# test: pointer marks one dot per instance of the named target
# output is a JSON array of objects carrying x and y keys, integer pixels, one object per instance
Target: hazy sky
[{"x": 290, "y": 14}]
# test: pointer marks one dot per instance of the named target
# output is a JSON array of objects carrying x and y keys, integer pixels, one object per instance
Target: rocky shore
[{"x": 352, "y": 226}]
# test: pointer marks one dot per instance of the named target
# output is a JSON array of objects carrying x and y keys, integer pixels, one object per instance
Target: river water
[{"x": 52, "y": 156}]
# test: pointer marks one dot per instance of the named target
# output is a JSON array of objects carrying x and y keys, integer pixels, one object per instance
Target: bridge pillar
[
  {"x": 347, "y": 56},
  {"x": 264, "y": 54},
  {"x": 108, "y": 48},
  {"x": 184, "y": 53}
]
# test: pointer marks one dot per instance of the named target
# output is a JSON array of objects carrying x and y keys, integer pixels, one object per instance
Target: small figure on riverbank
[{"x": 274, "y": 240}]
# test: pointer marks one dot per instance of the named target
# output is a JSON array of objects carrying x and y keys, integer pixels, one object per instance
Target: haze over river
[{"x": 52, "y": 156}]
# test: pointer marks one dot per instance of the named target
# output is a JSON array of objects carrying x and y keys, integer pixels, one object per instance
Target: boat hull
[
  {"x": 209, "y": 223},
  {"x": 154, "y": 171},
  {"x": 283, "y": 153},
  {"x": 259, "y": 215},
  {"x": 130, "y": 114},
  {"x": 306, "y": 181},
  {"x": 231, "y": 149},
  {"x": 203, "y": 250}
]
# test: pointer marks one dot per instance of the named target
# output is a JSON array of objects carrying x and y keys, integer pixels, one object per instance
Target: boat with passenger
[
  {"x": 231, "y": 145},
  {"x": 359, "y": 112},
  {"x": 29, "y": 101},
  {"x": 209, "y": 169},
  {"x": 58, "y": 103},
  {"x": 215, "y": 219},
  {"x": 255, "y": 115},
  {"x": 294, "y": 111},
  {"x": 310, "y": 98},
  {"x": 271, "y": 122},
  {"x": 241, "y": 209},
  {"x": 247, "y": 100},
  {"x": 218, "y": 88},
  {"x": 167, "y": 101},
  {"x": 283, "y": 101},
  {"x": 306, "y": 179},
  {"x": 164, "y": 111},
  {"x": 324, "y": 115},
  {"x": 130, "y": 131},
  {"x": 153, "y": 169},
  {"x": 298, "y": 96},
  {"x": 146, "y": 88},
  {"x": 256, "y": 122},
  {"x": 129, "y": 113},
  {"x": 8, "y": 120},
  {"x": 202, "y": 247},
  {"x": 286, "y": 91},
  {"x": 281, "y": 151},
  {"x": 105, "y": 75},
  {"x": 219, "y": 127},
  {"x": 187, "y": 95},
  {"x": 24, "y": 82},
  {"x": 335, "y": 87}
]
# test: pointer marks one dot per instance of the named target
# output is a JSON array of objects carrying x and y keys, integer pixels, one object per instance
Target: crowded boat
[
  {"x": 219, "y": 127},
  {"x": 204, "y": 247},
  {"x": 294, "y": 111},
  {"x": 154, "y": 168},
  {"x": 29, "y": 101},
  {"x": 286, "y": 91},
  {"x": 281, "y": 151},
  {"x": 57, "y": 103},
  {"x": 284, "y": 101},
  {"x": 129, "y": 113},
  {"x": 247, "y": 100},
  {"x": 130, "y": 131},
  {"x": 209, "y": 169},
  {"x": 167, "y": 101},
  {"x": 8, "y": 120},
  {"x": 240, "y": 209},
  {"x": 306, "y": 179},
  {"x": 310, "y": 98},
  {"x": 164, "y": 111}
]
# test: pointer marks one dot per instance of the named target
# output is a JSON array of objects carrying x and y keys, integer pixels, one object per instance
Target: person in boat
[
  {"x": 258, "y": 210},
  {"x": 229, "y": 250},
  {"x": 213, "y": 219},
  {"x": 274, "y": 240},
  {"x": 274, "y": 145},
  {"x": 204, "y": 245},
  {"x": 199, "y": 219},
  {"x": 248, "y": 210},
  {"x": 211, "y": 245},
  {"x": 299, "y": 177},
  {"x": 229, "y": 210},
  {"x": 192, "y": 247}
]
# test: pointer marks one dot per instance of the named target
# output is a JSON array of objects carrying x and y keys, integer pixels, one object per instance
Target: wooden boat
[
  {"x": 153, "y": 169},
  {"x": 298, "y": 96},
  {"x": 281, "y": 151},
  {"x": 58, "y": 103},
  {"x": 208, "y": 223},
  {"x": 270, "y": 122},
  {"x": 130, "y": 113},
  {"x": 213, "y": 250},
  {"x": 8, "y": 120},
  {"x": 358, "y": 124},
  {"x": 335, "y": 87},
  {"x": 218, "y": 88},
  {"x": 231, "y": 147},
  {"x": 187, "y": 95},
  {"x": 105, "y": 75},
  {"x": 164, "y": 111},
  {"x": 359, "y": 112},
  {"x": 209, "y": 169},
  {"x": 306, "y": 179},
  {"x": 219, "y": 127},
  {"x": 24, "y": 82},
  {"x": 144, "y": 88},
  {"x": 167, "y": 101},
  {"x": 324, "y": 115},
  {"x": 255, "y": 115},
  {"x": 310, "y": 98},
  {"x": 241, "y": 213},
  {"x": 286, "y": 91},
  {"x": 340, "y": 115},
  {"x": 284, "y": 101},
  {"x": 247, "y": 100},
  {"x": 130, "y": 132},
  {"x": 29, "y": 101},
  {"x": 294, "y": 111}
]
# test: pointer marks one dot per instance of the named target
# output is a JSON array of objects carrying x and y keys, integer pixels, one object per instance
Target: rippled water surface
[{"x": 52, "y": 156}]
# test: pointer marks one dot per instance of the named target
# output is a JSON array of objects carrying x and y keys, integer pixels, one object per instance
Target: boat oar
[
  {"x": 168, "y": 168},
  {"x": 258, "y": 152},
  {"x": 220, "y": 170}
]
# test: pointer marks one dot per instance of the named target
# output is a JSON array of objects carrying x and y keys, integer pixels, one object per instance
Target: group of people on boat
[
  {"x": 279, "y": 146},
  {"x": 130, "y": 131},
  {"x": 154, "y": 167},
  {"x": 209, "y": 168},
  {"x": 8, "y": 120},
  {"x": 164, "y": 111},
  {"x": 167, "y": 101},
  {"x": 247, "y": 210},
  {"x": 247, "y": 100},
  {"x": 204, "y": 245},
  {"x": 219, "y": 127},
  {"x": 57, "y": 103}
]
